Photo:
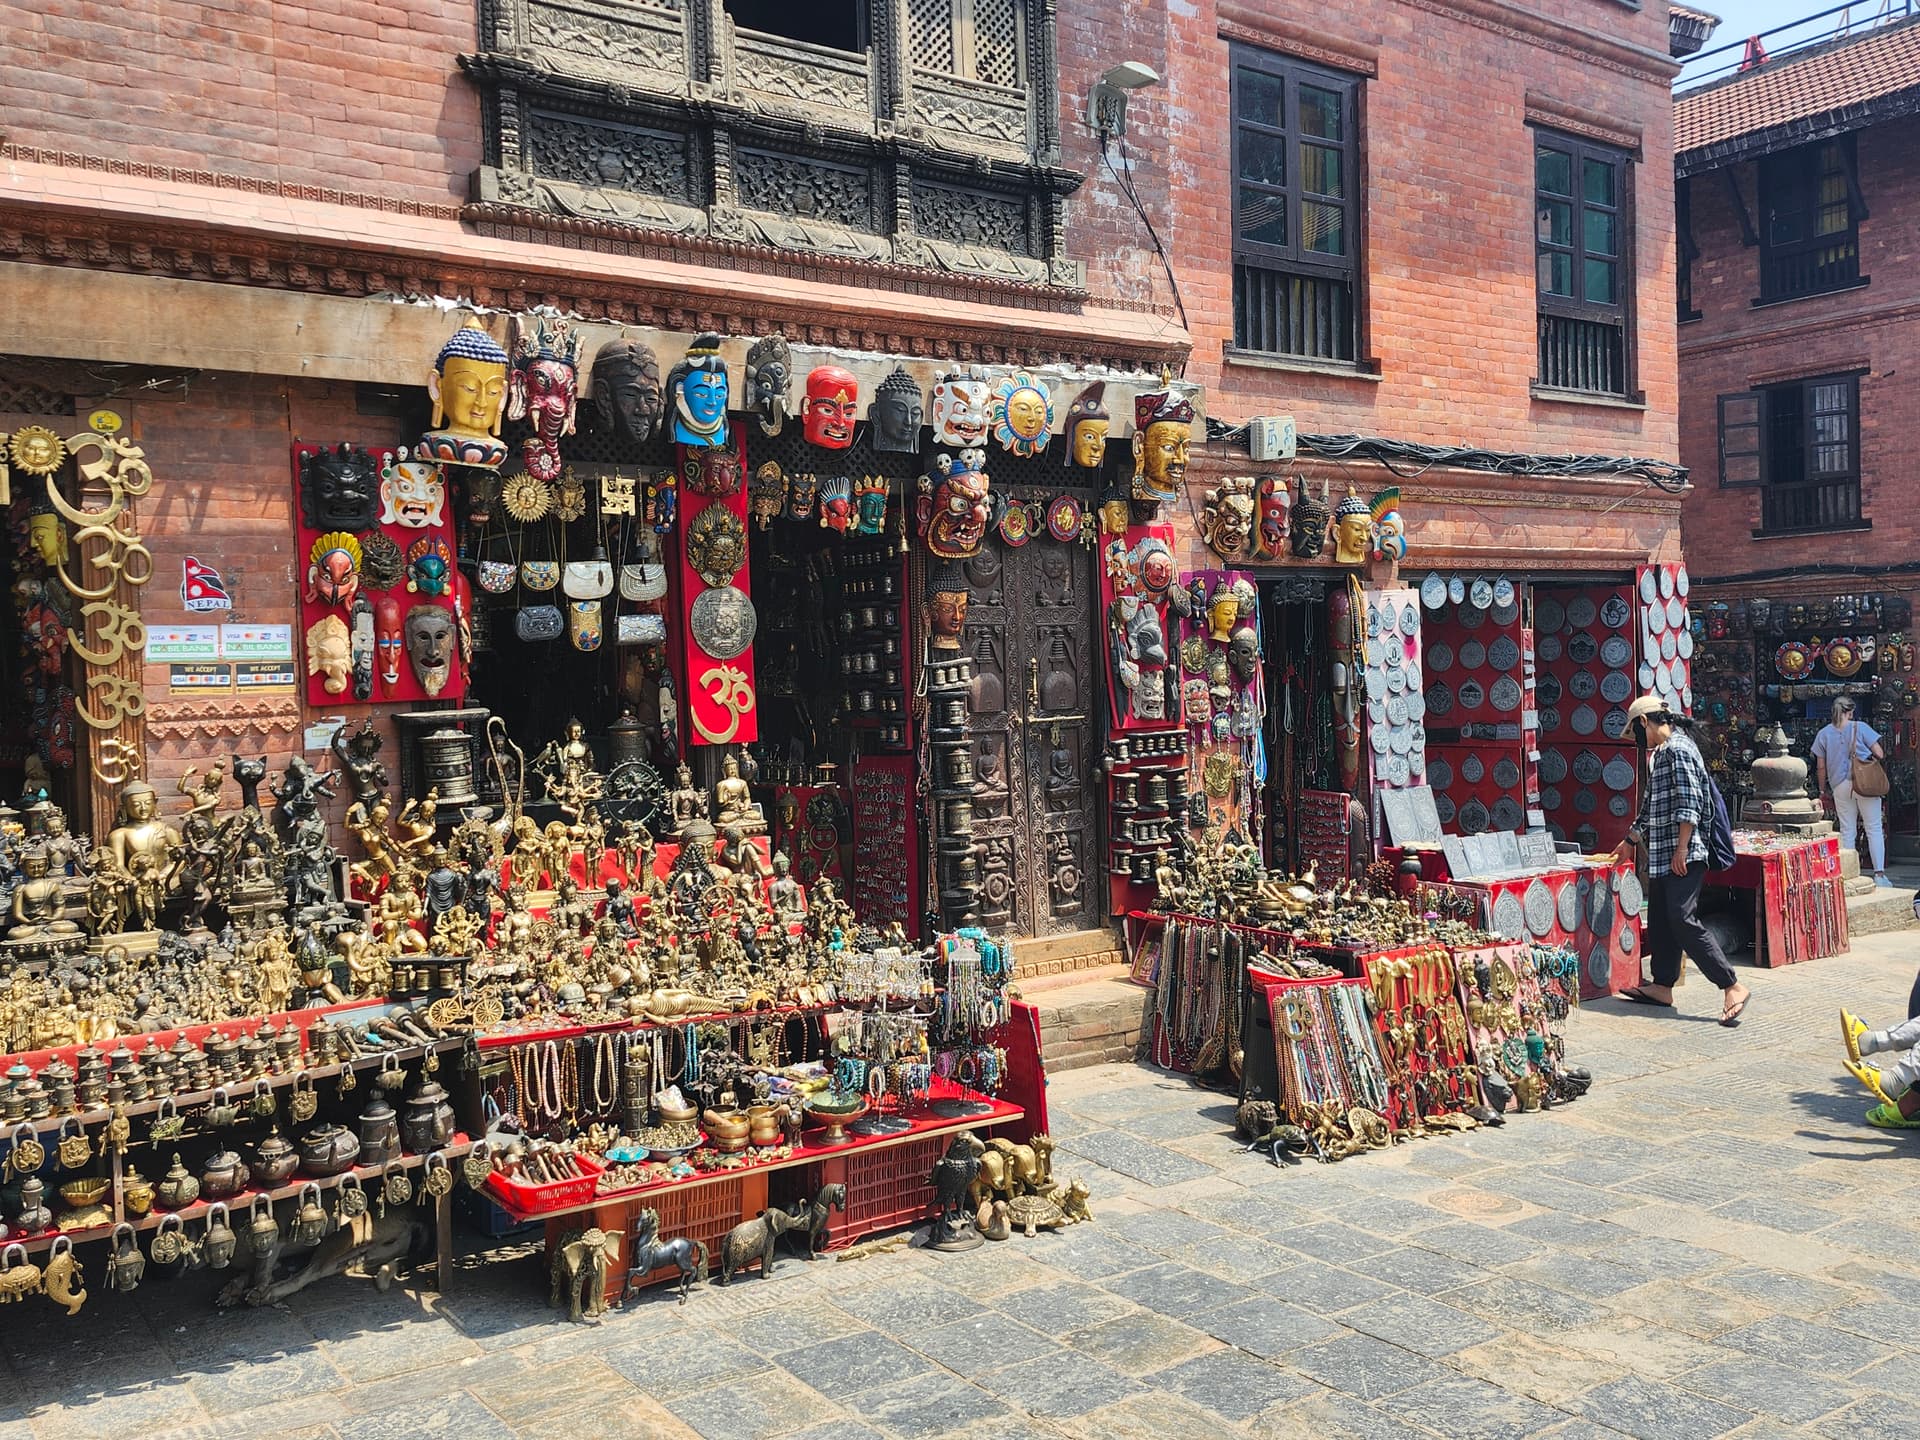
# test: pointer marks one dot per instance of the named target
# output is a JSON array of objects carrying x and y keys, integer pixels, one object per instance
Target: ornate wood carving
[{"x": 184, "y": 719}]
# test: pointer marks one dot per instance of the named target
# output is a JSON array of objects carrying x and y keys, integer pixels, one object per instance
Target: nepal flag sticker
[{"x": 201, "y": 587}]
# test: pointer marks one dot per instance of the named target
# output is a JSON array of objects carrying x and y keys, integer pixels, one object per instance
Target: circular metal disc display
[
  {"x": 1506, "y": 813},
  {"x": 1582, "y": 648},
  {"x": 1615, "y": 613},
  {"x": 1618, "y": 806},
  {"x": 1685, "y": 644},
  {"x": 1681, "y": 582},
  {"x": 1600, "y": 968},
  {"x": 1481, "y": 593},
  {"x": 1550, "y": 719},
  {"x": 1676, "y": 613},
  {"x": 1618, "y": 773},
  {"x": 1440, "y": 701},
  {"x": 722, "y": 620},
  {"x": 1379, "y": 739},
  {"x": 1416, "y": 701},
  {"x": 1473, "y": 655},
  {"x": 1443, "y": 807},
  {"x": 1566, "y": 908},
  {"x": 1471, "y": 617},
  {"x": 1396, "y": 681},
  {"x": 1433, "y": 591},
  {"x": 1473, "y": 818},
  {"x": 1503, "y": 591},
  {"x": 1669, "y": 645},
  {"x": 1548, "y": 647},
  {"x": 1549, "y": 797},
  {"x": 1377, "y": 711},
  {"x": 1471, "y": 695},
  {"x": 1457, "y": 590},
  {"x": 1581, "y": 685},
  {"x": 1509, "y": 919},
  {"x": 1473, "y": 770},
  {"x": 1584, "y": 801},
  {"x": 1439, "y": 774},
  {"x": 1409, "y": 620},
  {"x": 1398, "y": 771},
  {"x": 1547, "y": 690},
  {"x": 1613, "y": 724},
  {"x": 1631, "y": 895},
  {"x": 1649, "y": 586},
  {"x": 1615, "y": 652},
  {"x": 1553, "y": 766},
  {"x": 1439, "y": 658},
  {"x": 1396, "y": 708},
  {"x": 1506, "y": 774},
  {"x": 1616, "y": 687},
  {"x": 1666, "y": 581},
  {"x": 1629, "y": 939},
  {"x": 1506, "y": 694},
  {"x": 1549, "y": 615},
  {"x": 1586, "y": 767},
  {"x": 1376, "y": 683},
  {"x": 1538, "y": 906},
  {"x": 1505, "y": 614},
  {"x": 1503, "y": 654},
  {"x": 1399, "y": 740}
]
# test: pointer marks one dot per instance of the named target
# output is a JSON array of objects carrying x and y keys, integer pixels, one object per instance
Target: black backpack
[{"x": 1720, "y": 851}]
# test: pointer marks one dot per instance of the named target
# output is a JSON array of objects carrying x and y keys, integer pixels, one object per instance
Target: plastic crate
[
  {"x": 886, "y": 1189},
  {"x": 697, "y": 1212},
  {"x": 527, "y": 1199}
]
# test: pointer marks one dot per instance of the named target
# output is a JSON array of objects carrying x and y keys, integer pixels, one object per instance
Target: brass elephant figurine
[{"x": 580, "y": 1264}]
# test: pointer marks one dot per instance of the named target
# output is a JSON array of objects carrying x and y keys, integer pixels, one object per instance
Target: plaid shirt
[{"x": 1676, "y": 792}]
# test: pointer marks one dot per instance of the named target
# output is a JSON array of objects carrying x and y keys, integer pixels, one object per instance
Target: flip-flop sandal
[
  {"x": 1852, "y": 1027},
  {"x": 1888, "y": 1117},
  {"x": 1732, "y": 1018},
  {"x": 1869, "y": 1078},
  {"x": 1637, "y": 996}
]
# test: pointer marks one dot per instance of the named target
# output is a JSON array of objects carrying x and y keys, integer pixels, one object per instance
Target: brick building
[
  {"x": 256, "y": 236},
  {"x": 1799, "y": 194}
]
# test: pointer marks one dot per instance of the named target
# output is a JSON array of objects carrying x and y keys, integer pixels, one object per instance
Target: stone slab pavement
[{"x": 1710, "y": 1244}]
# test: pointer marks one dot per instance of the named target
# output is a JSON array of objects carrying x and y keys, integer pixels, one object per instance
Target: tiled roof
[{"x": 1800, "y": 86}]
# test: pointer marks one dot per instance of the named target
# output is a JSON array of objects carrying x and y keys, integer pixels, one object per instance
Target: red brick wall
[
  {"x": 347, "y": 94},
  {"x": 1449, "y": 258},
  {"x": 1734, "y": 346},
  {"x": 223, "y": 491}
]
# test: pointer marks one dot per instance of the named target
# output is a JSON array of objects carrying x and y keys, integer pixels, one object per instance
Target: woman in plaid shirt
[{"x": 1675, "y": 810}]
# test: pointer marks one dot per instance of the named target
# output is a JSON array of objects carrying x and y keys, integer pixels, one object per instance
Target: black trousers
[{"x": 1673, "y": 925}]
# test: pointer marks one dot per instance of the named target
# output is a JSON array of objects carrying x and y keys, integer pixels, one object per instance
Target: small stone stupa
[{"x": 1780, "y": 800}]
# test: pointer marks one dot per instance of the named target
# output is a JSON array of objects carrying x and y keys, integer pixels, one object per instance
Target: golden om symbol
[
  {"x": 119, "y": 698},
  {"x": 121, "y": 630},
  {"x": 728, "y": 687},
  {"x": 120, "y": 467},
  {"x": 118, "y": 763}
]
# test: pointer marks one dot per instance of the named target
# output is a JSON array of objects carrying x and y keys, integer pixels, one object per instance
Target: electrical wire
[
  {"x": 1125, "y": 182},
  {"x": 1409, "y": 460}
]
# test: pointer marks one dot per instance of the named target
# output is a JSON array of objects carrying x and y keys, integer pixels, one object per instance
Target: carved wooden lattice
[
  {"x": 930, "y": 32},
  {"x": 23, "y": 397},
  {"x": 996, "y": 41}
]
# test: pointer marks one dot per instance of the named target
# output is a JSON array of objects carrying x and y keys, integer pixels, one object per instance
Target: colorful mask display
[
  {"x": 545, "y": 389},
  {"x": 1227, "y": 525},
  {"x": 1162, "y": 423},
  {"x": 955, "y": 510},
  {"x": 430, "y": 640},
  {"x": 429, "y": 566},
  {"x": 1022, "y": 414},
  {"x": 801, "y": 488},
  {"x": 833, "y": 398},
  {"x": 836, "y": 504},
  {"x": 333, "y": 569},
  {"x": 698, "y": 386},
  {"x": 711, "y": 470},
  {"x": 388, "y": 640},
  {"x": 1271, "y": 513},
  {"x": 960, "y": 410},
  {"x": 1389, "y": 527},
  {"x": 1087, "y": 425},
  {"x": 626, "y": 390},
  {"x": 339, "y": 489},
  {"x": 1352, "y": 530},
  {"x": 412, "y": 494},
  {"x": 870, "y": 503},
  {"x": 897, "y": 413},
  {"x": 769, "y": 381},
  {"x": 469, "y": 390},
  {"x": 330, "y": 653}
]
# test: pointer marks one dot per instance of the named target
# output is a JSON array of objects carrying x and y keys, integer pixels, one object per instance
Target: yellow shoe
[
  {"x": 1852, "y": 1027},
  {"x": 1869, "y": 1076}
]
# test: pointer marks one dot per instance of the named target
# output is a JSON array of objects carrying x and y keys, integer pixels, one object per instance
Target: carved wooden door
[{"x": 1036, "y": 699}]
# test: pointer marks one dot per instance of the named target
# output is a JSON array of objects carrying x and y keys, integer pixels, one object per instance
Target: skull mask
[{"x": 956, "y": 519}]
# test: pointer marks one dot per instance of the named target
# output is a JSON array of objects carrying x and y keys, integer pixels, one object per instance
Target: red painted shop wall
[
  {"x": 1735, "y": 346},
  {"x": 222, "y": 493},
  {"x": 1447, "y": 161}
]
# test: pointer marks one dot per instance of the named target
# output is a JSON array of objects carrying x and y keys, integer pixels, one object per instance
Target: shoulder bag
[{"x": 1869, "y": 775}]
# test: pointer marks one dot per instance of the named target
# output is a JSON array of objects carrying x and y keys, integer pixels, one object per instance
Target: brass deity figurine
[{"x": 735, "y": 803}]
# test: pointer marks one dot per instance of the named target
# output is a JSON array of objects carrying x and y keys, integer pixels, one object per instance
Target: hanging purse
[
  {"x": 643, "y": 630},
  {"x": 540, "y": 574},
  {"x": 1869, "y": 775},
  {"x": 584, "y": 625},
  {"x": 589, "y": 579}
]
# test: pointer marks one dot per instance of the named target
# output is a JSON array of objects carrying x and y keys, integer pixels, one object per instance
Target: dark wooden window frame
[
  {"x": 1619, "y": 313},
  {"x": 1293, "y": 259},
  {"x": 1747, "y": 426},
  {"x": 1689, "y": 250},
  {"x": 1777, "y": 256}
]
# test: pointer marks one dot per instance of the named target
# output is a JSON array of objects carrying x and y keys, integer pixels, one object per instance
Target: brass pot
[
  {"x": 177, "y": 1188},
  {"x": 328, "y": 1149},
  {"x": 428, "y": 1121},
  {"x": 727, "y": 1131},
  {"x": 274, "y": 1160},
  {"x": 224, "y": 1175},
  {"x": 763, "y": 1122}
]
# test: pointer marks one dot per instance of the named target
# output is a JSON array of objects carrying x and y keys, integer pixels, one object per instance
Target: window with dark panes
[
  {"x": 1582, "y": 248},
  {"x": 974, "y": 39},
  {"x": 1800, "y": 443},
  {"x": 1809, "y": 212},
  {"x": 836, "y": 24},
  {"x": 1295, "y": 234},
  {"x": 1689, "y": 249}
]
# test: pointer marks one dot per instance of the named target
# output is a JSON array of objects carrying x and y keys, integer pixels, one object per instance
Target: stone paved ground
[{"x": 1710, "y": 1244}]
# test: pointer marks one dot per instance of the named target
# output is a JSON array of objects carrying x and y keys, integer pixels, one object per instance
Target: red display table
[{"x": 1800, "y": 900}]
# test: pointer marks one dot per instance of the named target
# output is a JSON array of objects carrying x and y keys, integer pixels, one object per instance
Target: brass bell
[
  {"x": 219, "y": 1241},
  {"x": 309, "y": 1217},
  {"x": 127, "y": 1265}
]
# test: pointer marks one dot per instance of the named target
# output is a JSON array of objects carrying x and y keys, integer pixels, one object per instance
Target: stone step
[
  {"x": 1092, "y": 1021},
  {"x": 1065, "y": 954},
  {"x": 1878, "y": 911}
]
